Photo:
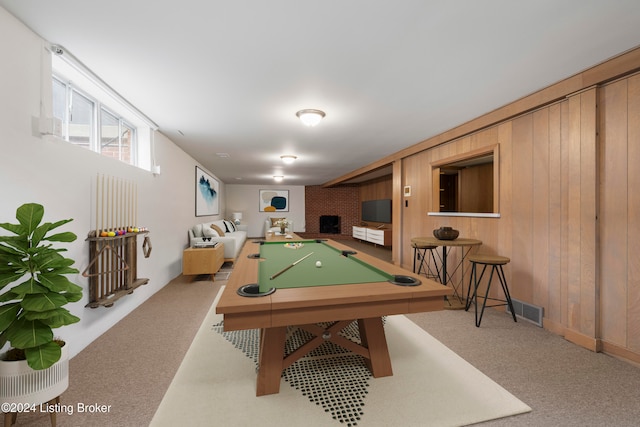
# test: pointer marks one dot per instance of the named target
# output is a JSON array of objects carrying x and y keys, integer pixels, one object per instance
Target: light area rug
[{"x": 431, "y": 386}]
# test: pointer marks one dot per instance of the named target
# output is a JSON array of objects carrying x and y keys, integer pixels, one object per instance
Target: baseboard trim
[
  {"x": 593, "y": 344},
  {"x": 620, "y": 352}
]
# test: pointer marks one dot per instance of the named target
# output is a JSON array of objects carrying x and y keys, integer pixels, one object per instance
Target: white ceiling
[{"x": 230, "y": 75}]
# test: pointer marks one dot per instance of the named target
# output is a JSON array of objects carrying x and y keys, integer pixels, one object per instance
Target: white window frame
[{"x": 67, "y": 70}]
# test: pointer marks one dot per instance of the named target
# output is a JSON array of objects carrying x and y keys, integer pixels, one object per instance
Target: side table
[{"x": 202, "y": 260}]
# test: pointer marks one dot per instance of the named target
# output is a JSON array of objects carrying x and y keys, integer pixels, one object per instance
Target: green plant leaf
[
  {"x": 20, "y": 243},
  {"x": 29, "y": 287},
  {"x": 10, "y": 277},
  {"x": 43, "y": 302},
  {"x": 48, "y": 259},
  {"x": 62, "y": 237},
  {"x": 56, "y": 282},
  {"x": 59, "y": 223},
  {"x": 28, "y": 333},
  {"x": 54, "y": 318},
  {"x": 43, "y": 356},
  {"x": 39, "y": 233},
  {"x": 74, "y": 296},
  {"x": 9, "y": 296},
  {"x": 14, "y": 228},
  {"x": 30, "y": 215},
  {"x": 8, "y": 313}
]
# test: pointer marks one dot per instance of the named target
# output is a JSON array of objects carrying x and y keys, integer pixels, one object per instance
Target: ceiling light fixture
[
  {"x": 310, "y": 117},
  {"x": 278, "y": 178},
  {"x": 288, "y": 158}
]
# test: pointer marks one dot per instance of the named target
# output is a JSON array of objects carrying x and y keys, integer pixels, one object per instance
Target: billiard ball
[{"x": 318, "y": 264}]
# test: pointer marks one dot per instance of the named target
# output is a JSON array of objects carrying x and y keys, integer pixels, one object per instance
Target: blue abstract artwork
[{"x": 207, "y": 188}]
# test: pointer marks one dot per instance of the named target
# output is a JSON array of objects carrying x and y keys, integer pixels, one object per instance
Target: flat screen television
[{"x": 377, "y": 210}]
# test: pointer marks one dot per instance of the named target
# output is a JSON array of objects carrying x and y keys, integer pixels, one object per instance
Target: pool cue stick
[{"x": 289, "y": 266}]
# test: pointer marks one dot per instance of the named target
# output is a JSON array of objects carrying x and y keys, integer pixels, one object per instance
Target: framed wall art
[
  {"x": 207, "y": 194},
  {"x": 274, "y": 201}
]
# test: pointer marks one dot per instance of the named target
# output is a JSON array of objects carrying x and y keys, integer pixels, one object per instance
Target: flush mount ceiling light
[
  {"x": 278, "y": 178},
  {"x": 288, "y": 158},
  {"x": 310, "y": 117}
]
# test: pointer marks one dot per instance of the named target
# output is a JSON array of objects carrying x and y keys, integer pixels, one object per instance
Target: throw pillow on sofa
[
  {"x": 197, "y": 230},
  {"x": 216, "y": 229},
  {"x": 230, "y": 226}
]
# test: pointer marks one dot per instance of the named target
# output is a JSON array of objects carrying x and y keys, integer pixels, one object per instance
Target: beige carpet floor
[{"x": 431, "y": 386}]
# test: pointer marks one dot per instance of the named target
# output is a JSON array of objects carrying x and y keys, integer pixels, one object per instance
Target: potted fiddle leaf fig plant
[{"x": 34, "y": 287}]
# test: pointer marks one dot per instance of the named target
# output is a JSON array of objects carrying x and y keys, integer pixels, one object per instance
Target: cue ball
[{"x": 318, "y": 264}]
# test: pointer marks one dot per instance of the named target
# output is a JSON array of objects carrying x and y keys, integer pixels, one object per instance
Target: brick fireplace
[{"x": 342, "y": 202}]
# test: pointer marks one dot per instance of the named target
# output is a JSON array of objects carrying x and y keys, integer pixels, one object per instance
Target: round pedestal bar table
[{"x": 445, "y": 277}]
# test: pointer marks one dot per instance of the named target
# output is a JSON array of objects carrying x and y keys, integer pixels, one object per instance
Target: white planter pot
[{"x": 21, "y": 384}]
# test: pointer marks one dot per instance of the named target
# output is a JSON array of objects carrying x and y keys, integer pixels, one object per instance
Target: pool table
[{"x": 276, "y": 284}]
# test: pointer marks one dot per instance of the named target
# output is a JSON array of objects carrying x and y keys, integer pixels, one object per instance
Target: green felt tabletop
[{"x": 336, "y": 269}]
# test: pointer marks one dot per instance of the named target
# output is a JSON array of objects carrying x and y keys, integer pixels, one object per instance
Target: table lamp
[{"x": 237, "y": 216}]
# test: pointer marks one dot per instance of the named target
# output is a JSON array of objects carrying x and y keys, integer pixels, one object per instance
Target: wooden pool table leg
[
  {"x": 373, "y": 337},
  {"x": 270, "y": 360}
]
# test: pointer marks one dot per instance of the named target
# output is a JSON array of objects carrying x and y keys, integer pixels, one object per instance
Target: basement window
[{"x": 89, "y": 114}]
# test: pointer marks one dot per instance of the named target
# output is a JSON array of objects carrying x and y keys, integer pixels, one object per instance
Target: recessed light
[
  {"x": 223, "y": 155},
  {"x": 288, "y": 158}
]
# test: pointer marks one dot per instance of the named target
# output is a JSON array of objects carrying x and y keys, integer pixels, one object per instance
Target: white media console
[{"x": 373, "y": 235}]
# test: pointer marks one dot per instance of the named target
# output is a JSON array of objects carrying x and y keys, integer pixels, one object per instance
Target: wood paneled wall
[
  {"x": 376, "y": 189},
  {"x": 619, "y": 216},
  {"x": 569, "y": 218}
]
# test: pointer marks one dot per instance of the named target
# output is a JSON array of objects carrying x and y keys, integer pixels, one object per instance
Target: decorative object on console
[
  {"x": 446, "y": 233},
  {"x": 283, "y": 224}
]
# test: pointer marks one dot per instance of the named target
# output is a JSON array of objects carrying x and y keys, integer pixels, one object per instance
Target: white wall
[
  {"x": 245, "y": 199},
  {"x": 62, "y": 177}
]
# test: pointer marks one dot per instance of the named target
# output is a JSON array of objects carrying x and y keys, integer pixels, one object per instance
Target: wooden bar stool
[
  {"x": 496, "y": 262},
  {"x": 420, "y": 253}
]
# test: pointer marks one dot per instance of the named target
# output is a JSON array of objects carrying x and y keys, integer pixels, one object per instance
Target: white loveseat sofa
[
  {"x": 270, "y": 225},
  {"x": 224, "y": 232}
]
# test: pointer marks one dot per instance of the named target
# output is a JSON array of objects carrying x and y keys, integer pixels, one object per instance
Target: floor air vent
[{"x": 527, "y": 311}]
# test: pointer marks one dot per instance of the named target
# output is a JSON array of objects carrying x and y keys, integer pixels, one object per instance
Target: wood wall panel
[
  {"x": 564, "y": 211},
  {"x": 380, "y": 188},
  {"x": 541, "y": 220},
  {"x": 613, "y": 213},
  {"x": 504, "y": 224},
  {"x": 574, "y": 214},
  {"x": 633, "y": 214},
  {"x": 522, "y": 205},
  {"x": 553, "y": 308},
  {"x": 589, "y": 322}
]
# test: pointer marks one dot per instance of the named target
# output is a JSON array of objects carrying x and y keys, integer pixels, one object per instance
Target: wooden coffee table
[{"x": 202, "y": 260}]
